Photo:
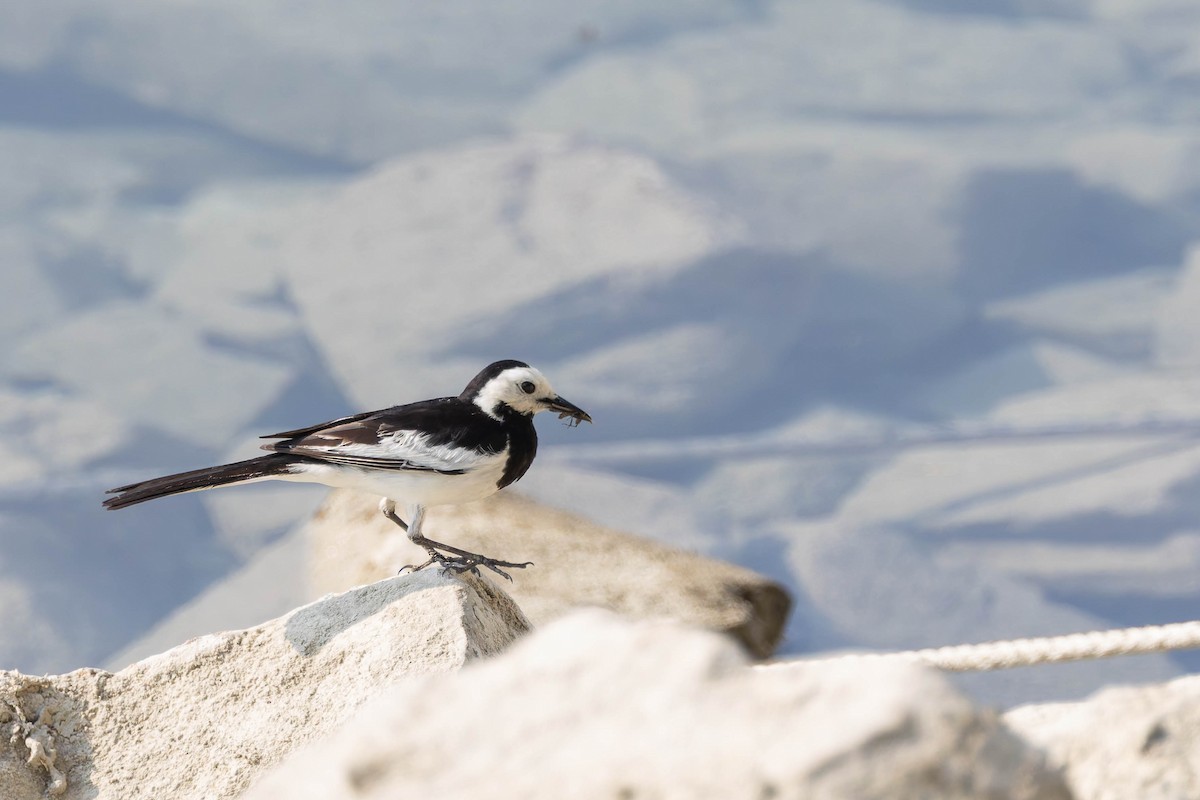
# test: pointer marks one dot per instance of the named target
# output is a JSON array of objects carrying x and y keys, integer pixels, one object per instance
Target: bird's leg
[
  {"x": 387, "y": 507},
  {"x": 463, "y": 561}
]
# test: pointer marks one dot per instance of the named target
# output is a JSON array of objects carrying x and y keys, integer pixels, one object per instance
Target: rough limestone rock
[
  {"x": 600, "y": 706},
  {"x": 1126, "y": 742},
  {"x": 204, "y": 719},
  {"x": 576, "y": 564}
]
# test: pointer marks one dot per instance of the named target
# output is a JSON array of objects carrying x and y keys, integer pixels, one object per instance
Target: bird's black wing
[
  {"x": 446, "y": 435},
  {"x": 319, "y": 426}
]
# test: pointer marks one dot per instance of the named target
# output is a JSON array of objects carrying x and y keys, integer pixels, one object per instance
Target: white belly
[{"x": 409, "y": 487}]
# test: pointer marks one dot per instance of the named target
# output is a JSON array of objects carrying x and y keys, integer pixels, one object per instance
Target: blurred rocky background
[{"x": 891, "y": 301}]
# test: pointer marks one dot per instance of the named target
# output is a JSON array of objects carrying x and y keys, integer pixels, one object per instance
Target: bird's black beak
[{"x": 566, "y": 408}]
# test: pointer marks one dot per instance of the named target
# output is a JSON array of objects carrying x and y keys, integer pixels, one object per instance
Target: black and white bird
[{"x": 435, "y": 452}]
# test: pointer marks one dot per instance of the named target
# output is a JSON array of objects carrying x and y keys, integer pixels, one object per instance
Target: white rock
[
  {"x": 1137, "y": 396},
  {"x": 223, "y": 271},
  {"x": 55, "y": 431},
  {"x": 829, "y": 424},
  {"x": 672, "y": 381},
  {"x": 29, "y": 300},
  {"x": 248, "y": 519},
  {"x": 814, "y": 58},
  {"x": 360, "y": 84},
  {"x": 1022, "y": 369},
  {"x": 709, "y": 342},
  {"x": 575, "y": 563},
  {"x": 756, "y": 490},
  {"x": 657, "y": 510},
  {"x": 1155, "y": 164},
  {"x": 1142, "y": 481},
  {"x": 1178, "y": 333},
  {"x": 200, "y": 722},
  {"x": 53, "y": 172},
  {"x": 138, "y": 361},
  {"x": 874, "y": 200},
  {"x": 597, "y": 707},
  {"x": 275, "y": 579},
  {"x": 1023, "y": 482},
  {"x": 1123, "y": 742},
  {"x": 1115, "y": 315},
  {"x": 413, "y": 277},
  {"x": 1166, "y": 568}
]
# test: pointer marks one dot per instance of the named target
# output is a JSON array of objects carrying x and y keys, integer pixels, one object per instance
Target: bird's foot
[
  {"x": 434, "y": 558},
  {"x": 467, "y": 562},
  {"x": 473, "y": 562}
]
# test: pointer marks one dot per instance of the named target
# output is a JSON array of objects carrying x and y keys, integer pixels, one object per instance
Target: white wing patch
[{"x": 405, "y": 449}]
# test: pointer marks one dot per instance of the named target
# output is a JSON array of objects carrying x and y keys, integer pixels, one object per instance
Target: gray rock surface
[
  {"x": 575, "y": 563},
  {"x": 1125, "y": 742},
  {"x": 204, "y": 719},
  {"x": 599, "y": 706}
]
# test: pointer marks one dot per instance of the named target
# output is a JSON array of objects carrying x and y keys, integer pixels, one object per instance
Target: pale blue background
[{"x": 924, "y": 264}]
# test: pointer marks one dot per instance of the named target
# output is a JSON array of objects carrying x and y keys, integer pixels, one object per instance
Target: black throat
[{"x": 522, "y": 443}]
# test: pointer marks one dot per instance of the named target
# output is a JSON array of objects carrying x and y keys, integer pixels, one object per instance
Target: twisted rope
[{"x": 1046, "y": 650}]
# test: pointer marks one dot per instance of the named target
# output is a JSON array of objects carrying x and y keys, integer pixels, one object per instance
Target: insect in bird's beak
[{"x": 565, "y": 409}]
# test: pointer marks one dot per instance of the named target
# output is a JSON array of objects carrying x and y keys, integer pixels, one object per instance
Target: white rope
[{"x": 1045, "y": 650}]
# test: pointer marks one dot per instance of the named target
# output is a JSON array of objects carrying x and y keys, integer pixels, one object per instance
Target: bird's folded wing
[
  {"x": 313, "y": 428},
  {"x": 397, "y": 439}
]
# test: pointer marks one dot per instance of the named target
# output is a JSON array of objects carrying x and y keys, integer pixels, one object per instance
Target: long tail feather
[{"x": 207, "y": 478}]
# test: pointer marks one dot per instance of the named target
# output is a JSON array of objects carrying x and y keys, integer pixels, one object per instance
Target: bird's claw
[
  {"x": 434, "y": 558},
  {"x": 472, "y": 565}
]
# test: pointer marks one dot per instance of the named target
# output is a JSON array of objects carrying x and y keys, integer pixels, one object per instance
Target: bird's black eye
[{"x": 527, "y": 387}]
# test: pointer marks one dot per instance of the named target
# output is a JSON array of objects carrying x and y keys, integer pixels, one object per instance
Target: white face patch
[{"x": 523, "y": 389}]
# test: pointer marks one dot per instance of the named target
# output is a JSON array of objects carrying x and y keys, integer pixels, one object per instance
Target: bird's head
[{"x": 517, "y": 386}]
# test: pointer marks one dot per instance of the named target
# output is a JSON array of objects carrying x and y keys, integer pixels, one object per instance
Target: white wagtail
[{"x": 435, "y": 452}]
